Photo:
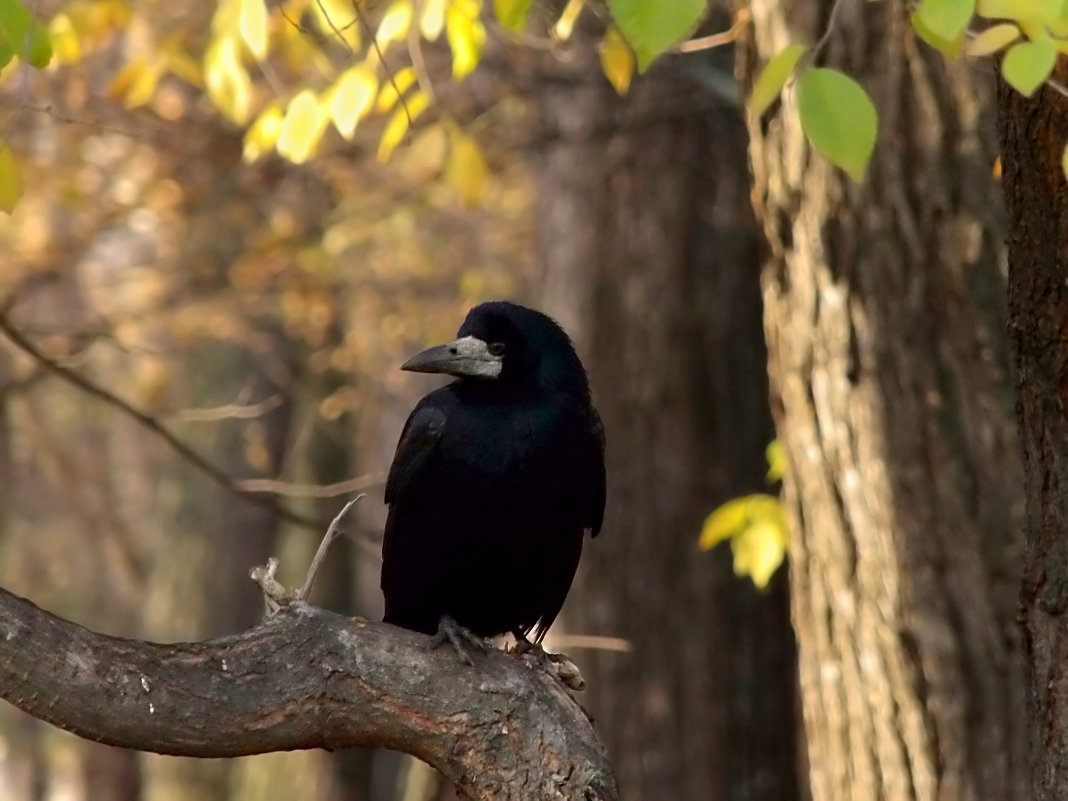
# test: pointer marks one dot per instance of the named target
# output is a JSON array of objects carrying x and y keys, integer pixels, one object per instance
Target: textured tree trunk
[
  {"x": 891, "y": 392},
  {"x": 651, "y": 262},
  {"x": 1033, "y": 136}
]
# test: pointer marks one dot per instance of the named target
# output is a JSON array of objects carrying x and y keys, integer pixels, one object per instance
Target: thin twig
[
  {"x": 147, "y": 421},
  {"x": 294, "y": 490},
  {"x": 333, "y": 27},
  {"x": 591, "y": 641},
  {"x": 741, "y": 19},
  {"x": 229, "y": 411},
  {"x": 415, "y": 51},
  {"x": 382, "y": 60},
  {"x": 320, "y": 554},
  {"x": 827, "y": 31}
]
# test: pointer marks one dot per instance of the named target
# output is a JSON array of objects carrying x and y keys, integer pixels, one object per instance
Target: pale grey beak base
[{"x": 467, "y": 356}]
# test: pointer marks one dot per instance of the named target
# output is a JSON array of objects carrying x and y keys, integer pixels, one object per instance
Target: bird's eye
[{"x": 496, "y": 348}]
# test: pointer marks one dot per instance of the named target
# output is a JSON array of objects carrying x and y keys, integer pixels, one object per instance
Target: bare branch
[
  {"x": 230, "y": 411},
  {"x": 354, "y": 484},
  {"x": 324, "y": 546},
  {"x": 152, "y": 424},
  {"x": 307, "y": 678},
  {"x": 737, "y": 28}
]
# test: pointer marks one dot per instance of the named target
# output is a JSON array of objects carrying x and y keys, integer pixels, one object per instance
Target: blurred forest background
[{"x": 257, "y": 307}]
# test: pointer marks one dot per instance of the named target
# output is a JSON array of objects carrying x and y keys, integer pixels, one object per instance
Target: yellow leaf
[
  {"x": 10, "y": 179},
  {"x": 252, "y": 22},
  {"x": 351, "y": 98},
  {"x": 466, "y": 36},
  {"x": 393, "y": 89},
  {"x": 302, "y": 127},
  {"x": 394, "y": 23},
  {"x": 399, "y": 123},
  {"x": 228, "y": 83},
  {"x": 466, "y": 170},
  {"x": 433, "y": 19},
  {"x": 566, "y": 24},
  {"x": 425, "y": 156},
  {"x": 617, "y": 59},
  {"x": 263, "y": 134},
  {"x": 136, "y": 82},
  {"x": 726, "y": 521},
  {"x": 776, "y": 457},
  {"x": 124, "y": 78},
  {"x": 178, "y": 61},
  {"x": 1064, "y": 161},
  {"x": 759, "y": 550},
  {"x": 746, "y": 522},
  {"x": 992, "y": 39},
  {"x": 144, "y": 85},
  {"x": 66, "y": 47},
  {"x": 226, "y": 20}
]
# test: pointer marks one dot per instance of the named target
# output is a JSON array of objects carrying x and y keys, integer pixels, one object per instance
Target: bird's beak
[{"x": 467, "y": 356}]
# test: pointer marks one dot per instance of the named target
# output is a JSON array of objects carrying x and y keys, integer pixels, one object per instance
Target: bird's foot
[
  {"x": 457, "y": 636},
  {"x": 559, "y": 666}
]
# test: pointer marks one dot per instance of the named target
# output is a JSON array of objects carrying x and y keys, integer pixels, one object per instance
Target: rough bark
[
  {"x": 883, "y": 309},
  {"x": 651, "y": 262},
  {"x": 1033, "y": 135},
  {"x": 307, "y": 678}
]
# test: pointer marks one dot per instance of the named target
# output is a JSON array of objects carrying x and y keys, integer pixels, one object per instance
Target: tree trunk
[
  {"x": 651, "y": 263},
  {"x": 1033, "y": 136},
  {"x": 891, "y": 392}
]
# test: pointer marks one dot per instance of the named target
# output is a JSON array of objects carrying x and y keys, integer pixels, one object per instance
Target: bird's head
[{"x": 505, "y": 342}]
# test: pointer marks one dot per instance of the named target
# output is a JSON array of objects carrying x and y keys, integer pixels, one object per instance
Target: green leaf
[
  {"x": 1027, "y": 65},
  {"x": 654, "y": 26},
  {"x": 25, "y": 36},
  {"x": 1064, "y": 162},
  {"x": 947, "y": 18},
  {"x": 512, "y": 14},
  {"x": 838, "y": 118},
  {"x": 773, "y": 78},
  {"x": 948, "y": 47}
]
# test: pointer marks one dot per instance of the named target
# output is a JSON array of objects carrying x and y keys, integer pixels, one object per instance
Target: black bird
[{"x": 496, "y": 479}]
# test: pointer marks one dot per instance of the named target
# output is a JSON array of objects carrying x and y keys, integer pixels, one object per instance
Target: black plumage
[{"x": 496, "y": 479}]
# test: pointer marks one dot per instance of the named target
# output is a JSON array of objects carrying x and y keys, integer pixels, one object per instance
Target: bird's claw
[
  {"x": 457, "y": 636},
  {"x": 559, "y": 666}
]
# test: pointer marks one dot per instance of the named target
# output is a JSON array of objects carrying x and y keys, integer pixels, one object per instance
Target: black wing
[
  {"x": 418, "y": 441},
  {"x": 402, "y": 562},
  {"x": 595, "y": 510}
]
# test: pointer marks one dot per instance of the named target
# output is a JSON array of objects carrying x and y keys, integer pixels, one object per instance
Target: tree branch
[
  {"x": 147, "y": 421},
  {"x": 307, "y": 678}
]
